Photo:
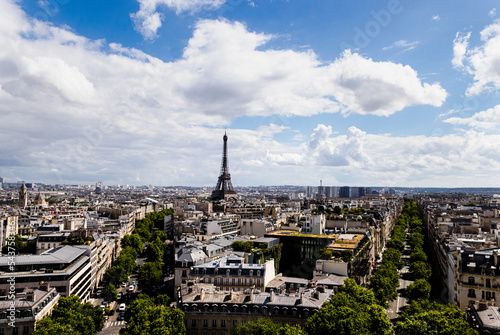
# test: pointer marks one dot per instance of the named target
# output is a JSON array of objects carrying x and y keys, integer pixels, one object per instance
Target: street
[
  {"x": 396, "y": 305},
  {"x": 112, "y": 326}
]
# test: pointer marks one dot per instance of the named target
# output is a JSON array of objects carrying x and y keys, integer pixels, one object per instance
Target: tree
[
  {"x": 384, "y": 283},
  {"x": 145, "y": 316},
  {"x": 134, "y": 241},
  {"x": 396, "y": 244},
  {"x": 420, "y": 289},
  {"x": 424, "y": 317},
  {"x": 347, "y": 255},
  {"x": 264, "y": 326},
  {"x": 418, "y": 255},
  {"x": 110, "y": 293},
  {"x": 70, "y": 316},
  {"x": 291, "y": 330},
  {"x": 353, "y": 310},
  {"x": 47, "y": 326},
  {"x": 155, "y": 250},
  {"x": 421, "y": 270},
  {"x": 393, "y": 256},
  {"x": 19, "y": 246},
  {"x": 150, "y": 275},
  {"x": 416, "y": 240},
  {"x": 160, "y": 234}
]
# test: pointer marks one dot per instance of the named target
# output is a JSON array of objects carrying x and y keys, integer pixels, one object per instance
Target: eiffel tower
[{"x": 224, "y": 189}]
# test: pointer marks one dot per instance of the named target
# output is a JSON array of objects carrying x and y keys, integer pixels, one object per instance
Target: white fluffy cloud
[
  {"x": 482, "y": 62},
  {"x": 147, "y": 20},
  {"x": 379, "y": 88},
  {"x": 485, "y": 120},
  {"x": 460, "y": 45},
  {"x": 77, "y": 110},
  {"x": 368, "y": 159}
]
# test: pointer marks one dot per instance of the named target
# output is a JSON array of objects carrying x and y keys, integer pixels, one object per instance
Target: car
[
  {"x": 121, "y": 317},
  {"x": 133, "y": 283},
  {"x": 122, "y": 307},
  {"x": 98, "y": 293},
  {"x": 119, "y": 296},
  {"x": 104, "y": 304},
  {"x": 131, "y": 288},
  {"x": 124, "y": 284}
]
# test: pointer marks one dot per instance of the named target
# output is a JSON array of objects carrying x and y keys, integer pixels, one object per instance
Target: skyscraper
[{"x": 224, "y": 188}]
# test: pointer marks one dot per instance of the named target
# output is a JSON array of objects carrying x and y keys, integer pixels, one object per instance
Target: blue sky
[{"x": 381, "y": 93}]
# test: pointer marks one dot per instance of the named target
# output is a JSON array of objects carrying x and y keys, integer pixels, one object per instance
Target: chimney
[
  {"x": 44, "y": 286},
  {"x": 30, "y": 295}
]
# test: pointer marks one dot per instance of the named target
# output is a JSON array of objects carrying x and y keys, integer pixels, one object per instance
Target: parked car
[
  {"x": 119, "y": 296},
  {"x": 122, "y": 307},
  {"x": 131, "y": 288},
  {"x": 121, "y": 317},
  {"x": 104, "y": 304},
  {"x": 133, "y": 282}
]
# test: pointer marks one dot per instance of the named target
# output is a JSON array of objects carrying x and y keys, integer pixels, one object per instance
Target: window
[
  {"x": 235, "y": 323},
  {"x": 214, "y": 323},
  {"x": 26, "y": 330},
  {"x": 193, "y": 323},
  {"x": 223, "y": 323},
  {"x": 472, "y": 293},
  {"x": 205, "y": 323},
  {"x": 488, "y": 295},
  {"x": 471, "y": 281},
  {"x": 184, "y": 273},
  {"x": 2, "y": 331},
  {"x": 488, "y": 282}
]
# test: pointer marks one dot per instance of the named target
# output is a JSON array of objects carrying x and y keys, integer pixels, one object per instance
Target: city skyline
[{"x": 397, "y": 94}]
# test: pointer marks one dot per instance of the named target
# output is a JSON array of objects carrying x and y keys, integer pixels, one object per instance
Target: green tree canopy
[
  {"x": 110, "y": 293},
  {"x": 134, "y": 241},
  {"x": 424, "y": 317},
  {"x": 353, "y": 310},
  {"x": 151, "y": 274},
  {"x": 421, "y": 270},
  {"x": 420, "y": 289},
  {"x": 145, "y": 316},
  {"x": 418, "y": 255},
  {"x": 393, "y": 256},
  {"x": 70, "y": 316}
]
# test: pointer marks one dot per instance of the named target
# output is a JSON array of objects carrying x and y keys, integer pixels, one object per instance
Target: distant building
[
  {"x": 345, "y": 192},
  {"x": 39, "y": 200},
  {"x": 331, "y": 191}
]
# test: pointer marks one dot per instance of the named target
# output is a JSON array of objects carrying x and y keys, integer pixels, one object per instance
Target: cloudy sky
[{"x": 375, "y": 93}]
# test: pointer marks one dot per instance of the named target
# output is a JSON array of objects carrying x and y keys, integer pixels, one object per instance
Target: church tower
[
  {"x": 23, "y": 196},
  {"x": 224, "y": 189}
]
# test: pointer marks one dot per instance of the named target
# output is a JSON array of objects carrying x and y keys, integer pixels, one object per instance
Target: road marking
[{"x": 113, "y": 323}]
